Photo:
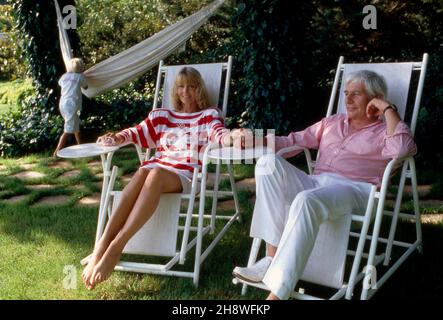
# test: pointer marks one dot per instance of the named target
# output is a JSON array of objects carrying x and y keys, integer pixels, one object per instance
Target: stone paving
[{"x": 28, "y": 175}]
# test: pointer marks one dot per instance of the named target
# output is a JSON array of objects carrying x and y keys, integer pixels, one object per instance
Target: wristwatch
[{"x": 391, "y": 106}]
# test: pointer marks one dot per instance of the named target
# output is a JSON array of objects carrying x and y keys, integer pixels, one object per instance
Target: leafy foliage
[
  {"x": 12, "y": 65},
  {"x": 106, "y": 28},
  {"x": 35, "y": 126},
  {"x": 292, "y": 58},
  {"x": 283, "y": 66},
  {"x": 271, "y": 42},
  {"x": 405, "y": 30},
  {"x": 15, "y": 92},
  {"x": 109, "y": 27}
]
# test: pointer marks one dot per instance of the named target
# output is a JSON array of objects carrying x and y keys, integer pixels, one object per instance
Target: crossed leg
[{"x": 138, "y": 202}]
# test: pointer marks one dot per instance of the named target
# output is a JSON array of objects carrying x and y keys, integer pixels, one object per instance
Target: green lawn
[{"x": 41, "y": 245}]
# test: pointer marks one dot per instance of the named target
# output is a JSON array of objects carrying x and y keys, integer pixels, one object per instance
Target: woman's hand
[
  {"x": 242, "y": 138},
  {"x": 110, "y": 139}
]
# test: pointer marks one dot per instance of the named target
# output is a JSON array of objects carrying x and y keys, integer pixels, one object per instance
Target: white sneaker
[{"x": 254, "y": 273}]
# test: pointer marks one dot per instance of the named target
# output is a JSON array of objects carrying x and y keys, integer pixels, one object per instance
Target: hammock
[{"x": 118, "y": 70}]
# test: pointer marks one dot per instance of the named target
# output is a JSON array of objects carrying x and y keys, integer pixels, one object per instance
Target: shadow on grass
[
  {"x": 420, "y": 277},
  {"x": 215, "y": 281},
  {"x": 69, "y": 224}
]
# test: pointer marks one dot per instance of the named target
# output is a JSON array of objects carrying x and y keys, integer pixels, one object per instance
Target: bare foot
[
  {"x": 87, "y": 271},
  {"x": 93, "y": 260},
  {"x": 272, "y": 297},
  {"x": 104, "y": 268}
]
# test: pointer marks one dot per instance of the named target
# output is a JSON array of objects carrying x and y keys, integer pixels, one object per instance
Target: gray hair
[{"x": 374, "y": 83}]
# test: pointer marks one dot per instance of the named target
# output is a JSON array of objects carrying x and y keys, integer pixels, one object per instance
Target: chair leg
[
  {"x": 103, "y": 212},
  {"x": 252, "y": 258},
  {"x": 201, "y": 211},
  {"x": 394, "y": 221},
  {"x": 234, "y": 190},
  {"x": 215, "y": 196},
  {"x": 373, "y": 248},
  {"x": 186, "y": 230},
  {"x": 361, "y": 244},
  {"x": 416, "y": 205},
  {"x": 198, "y": 249},
  {"x": 141, "y": 155}
]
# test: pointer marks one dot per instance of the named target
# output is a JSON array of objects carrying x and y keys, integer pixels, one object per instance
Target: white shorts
[
  {"x": 69, "y": 110},
  {"x": 186, "y": 183}
]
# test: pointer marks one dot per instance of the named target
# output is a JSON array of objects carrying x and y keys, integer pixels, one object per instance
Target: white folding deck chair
[
  {"x": 326, "y": 264},
  {"x": 159, "y": 236}
]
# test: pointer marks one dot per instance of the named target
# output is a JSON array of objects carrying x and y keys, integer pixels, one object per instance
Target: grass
[
  {"x": 41, "y": 245},
  {"x": 37, "y": 244},
  {"x": 12, "y": 92},
  {"x": 37, "y": 248}
]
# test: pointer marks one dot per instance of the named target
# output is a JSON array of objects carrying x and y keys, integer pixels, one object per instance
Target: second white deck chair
[
  {"x": 160, "y": 235},
  {"x": 326, "y": 265}
]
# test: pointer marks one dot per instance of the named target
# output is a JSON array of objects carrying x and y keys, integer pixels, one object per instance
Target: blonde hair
[
  {"x": 77, "y": 65},
  {"x": 191, "y": 76}
]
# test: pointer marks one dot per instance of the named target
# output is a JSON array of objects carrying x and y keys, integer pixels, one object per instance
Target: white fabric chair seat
[
  {"x": 158, "y": 236},
  {"x": 326, "y": 264}
]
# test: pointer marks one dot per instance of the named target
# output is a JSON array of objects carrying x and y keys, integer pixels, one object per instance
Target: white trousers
[{"x": 289, "y": 209}]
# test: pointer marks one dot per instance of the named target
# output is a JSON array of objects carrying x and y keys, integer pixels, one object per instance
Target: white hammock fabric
[
  {"x": 133, "y": 62},
  {"x": 65, "y": 45}
]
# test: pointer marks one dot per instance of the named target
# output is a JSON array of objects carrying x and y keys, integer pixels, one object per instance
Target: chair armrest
[
  {"x": 283, "y": 151},
  {"x": 307, "y": 152},
  {"x": 389, "y": 171},
  {"x": 142, "y": 155}
]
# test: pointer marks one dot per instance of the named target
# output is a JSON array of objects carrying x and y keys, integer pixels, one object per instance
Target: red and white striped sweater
[{"x": 178, "y": 137}]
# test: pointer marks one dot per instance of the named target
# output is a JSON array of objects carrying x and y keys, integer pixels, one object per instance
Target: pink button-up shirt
[{"x": 361, "y": 155}]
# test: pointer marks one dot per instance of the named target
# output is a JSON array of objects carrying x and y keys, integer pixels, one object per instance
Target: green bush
[
  {"x": 271, "y": 40},
  {"x": 109, "y": 27},
  {"x": 405, "y": 30},
  {"x": 36, "y": 125},
  {"x": 12, "y": 65},
  {"x": 292, "y": 57},
  {"x": 116, "y": 110},
  {"x": 284, "y": 61},
  {"x": 28, "y": 129},
  {"x": 106, "y": 28},
  {"x": 15, "y": 92}
]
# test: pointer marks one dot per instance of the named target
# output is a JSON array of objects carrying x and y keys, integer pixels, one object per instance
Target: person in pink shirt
[{"x": 354, "y": 149}]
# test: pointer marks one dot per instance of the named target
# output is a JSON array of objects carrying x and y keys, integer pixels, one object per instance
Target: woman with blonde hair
[{"x": 178, "y": 135}]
